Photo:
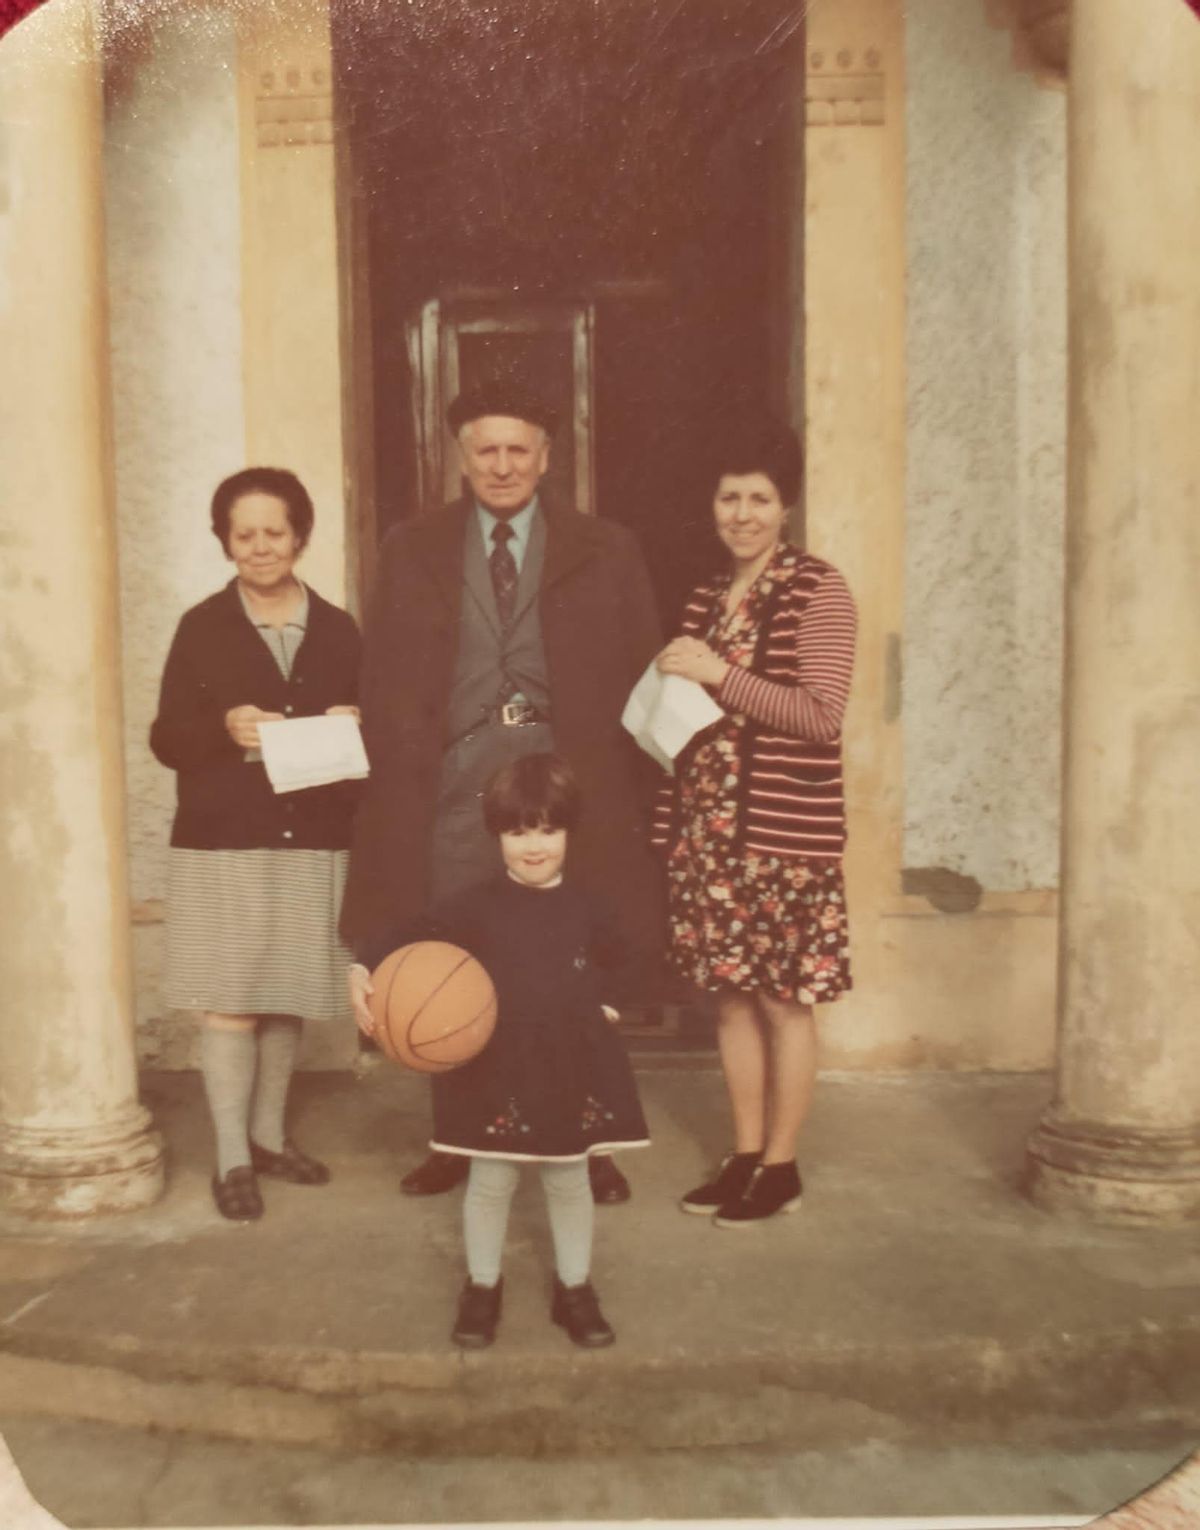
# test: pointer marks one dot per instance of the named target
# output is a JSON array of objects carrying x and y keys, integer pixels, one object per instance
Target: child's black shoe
[
  {"x": 478, "y": 1315},
  {"x": 577, "y": 1309}
]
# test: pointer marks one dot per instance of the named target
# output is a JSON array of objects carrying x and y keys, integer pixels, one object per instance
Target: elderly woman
[
  {"x": 255, "y": 879},
  {"x": 753, "y": 823}
]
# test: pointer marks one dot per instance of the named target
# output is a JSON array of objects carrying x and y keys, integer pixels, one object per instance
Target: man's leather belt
[
  {"x": 506, "y": 714},
  {"x": 517, "y": 714}
]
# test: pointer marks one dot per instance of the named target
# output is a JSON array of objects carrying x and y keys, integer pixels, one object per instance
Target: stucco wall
[
  {"x": 174, "y": 254},
  {"x": 986, "y": 363}
]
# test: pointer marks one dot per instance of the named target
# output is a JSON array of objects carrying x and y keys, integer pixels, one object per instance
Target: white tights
[{"x": 568, "y": 1203}]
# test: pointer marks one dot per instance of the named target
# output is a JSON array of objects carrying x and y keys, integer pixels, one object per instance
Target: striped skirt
[{"x": 254, "y": 932}]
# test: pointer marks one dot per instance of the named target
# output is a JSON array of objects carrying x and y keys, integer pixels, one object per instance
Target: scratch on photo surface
[
  {"x": 784, "y": 29},
  {"x": 26, "y": 1307}
]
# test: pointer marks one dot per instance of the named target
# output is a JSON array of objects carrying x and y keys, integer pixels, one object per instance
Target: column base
[
  {"x": 48, "y": 1172},
  {"x": 1112, "y": 1175}
]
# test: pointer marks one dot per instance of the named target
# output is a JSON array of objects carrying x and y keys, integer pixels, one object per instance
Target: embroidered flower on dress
[
  {"x": 508, "y": 1123},
  {"x": 593, "y": 1114}
]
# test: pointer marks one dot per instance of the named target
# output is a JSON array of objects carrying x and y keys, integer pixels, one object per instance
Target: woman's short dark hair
[
  {"x": 537, "y": 791},
  {"x": 263, "y": 480},
  {"x": 758, "y": 445}
]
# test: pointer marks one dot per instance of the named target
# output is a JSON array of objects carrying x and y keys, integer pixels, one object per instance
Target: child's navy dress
[{"x": 554, "y": 1081}]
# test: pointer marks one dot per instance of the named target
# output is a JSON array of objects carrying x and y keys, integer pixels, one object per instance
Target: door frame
[{"x": 432, "y": 338}]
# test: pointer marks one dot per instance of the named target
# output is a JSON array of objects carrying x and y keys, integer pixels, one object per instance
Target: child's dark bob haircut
[{"x": 534, "y": 792}]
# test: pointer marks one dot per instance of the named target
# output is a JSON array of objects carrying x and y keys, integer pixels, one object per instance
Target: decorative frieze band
[
  {"x": 844, "y": 88},
  {"x": 293, "y": 107}
]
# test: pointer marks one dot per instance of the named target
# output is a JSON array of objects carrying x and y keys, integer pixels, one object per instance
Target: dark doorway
[{"x": 598, "y": 191}]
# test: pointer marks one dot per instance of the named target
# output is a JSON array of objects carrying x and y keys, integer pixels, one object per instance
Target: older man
[{"x": 501, "y": 625}]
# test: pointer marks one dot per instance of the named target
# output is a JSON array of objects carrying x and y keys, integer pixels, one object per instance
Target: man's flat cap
[{"x": 503, "y": 396}]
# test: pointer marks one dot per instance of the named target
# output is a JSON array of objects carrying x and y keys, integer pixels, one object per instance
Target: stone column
[
  {"x": 73, "y": 1138},
  {"x": 1121, "y": 1140}
]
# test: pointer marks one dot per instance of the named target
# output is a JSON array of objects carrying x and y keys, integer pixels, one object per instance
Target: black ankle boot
[
  {"x": 774, "y": 1188},
  {"x": 731, "y": 1180},
  {"x": 478, "y": 1315},
  {"x": 577, "y": 1309}
]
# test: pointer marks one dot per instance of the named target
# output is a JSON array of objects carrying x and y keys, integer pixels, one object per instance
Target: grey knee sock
[
  {"x": 227, "y": 1059},
  {"x": 572, "y": 1212},
  {"x": 278, "y": 1041},
  {"x": 489, "y": 1194}
]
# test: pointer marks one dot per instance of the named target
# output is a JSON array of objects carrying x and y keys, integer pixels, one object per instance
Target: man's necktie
[{"x": 504, "y": 572}]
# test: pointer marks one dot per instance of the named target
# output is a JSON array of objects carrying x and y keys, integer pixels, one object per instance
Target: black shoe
[
  {"x": 291, "y": 1164},
  {"x": 440, "y": 1172},
  {"x": 577, "y": 1309},
  {"x": 237, "y": 1195},
  {"x": 609, "y": 1185},
  {"x": 731, "y": 1181},
  {"x": 775, "y": 1188},
  {"x": 478, "y": 1314}
]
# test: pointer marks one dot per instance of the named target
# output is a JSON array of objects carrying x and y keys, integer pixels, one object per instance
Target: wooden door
[{"x": 460, "y": 340}]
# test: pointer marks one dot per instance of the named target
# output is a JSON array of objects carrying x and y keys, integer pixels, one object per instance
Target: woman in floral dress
[{"x": 753, "y": 823}]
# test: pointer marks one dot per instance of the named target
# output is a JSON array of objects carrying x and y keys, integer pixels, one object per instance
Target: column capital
[
  {"x": 1040, "y": 30},
  {"x": 1046, "y": 25}
]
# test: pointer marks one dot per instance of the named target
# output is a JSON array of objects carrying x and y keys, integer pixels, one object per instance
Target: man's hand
[
  {"x": 344, "y": 712},
  {"x": 693, "y": 660},
  {"x": 241, "y": 723},
  {"x": 610, "y": 1014},
  {"x": 361, "y": 989}
]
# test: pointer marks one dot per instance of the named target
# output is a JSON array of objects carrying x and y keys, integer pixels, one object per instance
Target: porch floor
[{"x": 915, "y": 1301}]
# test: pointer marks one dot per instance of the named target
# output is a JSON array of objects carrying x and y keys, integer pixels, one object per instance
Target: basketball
[{"x": 434, "y": 1006}]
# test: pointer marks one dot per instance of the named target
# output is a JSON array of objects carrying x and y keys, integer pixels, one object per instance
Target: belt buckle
[{"x": 515, "y": 714}]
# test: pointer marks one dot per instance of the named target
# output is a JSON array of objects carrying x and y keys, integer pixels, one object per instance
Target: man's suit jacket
[{"x": 599, "y": 628}]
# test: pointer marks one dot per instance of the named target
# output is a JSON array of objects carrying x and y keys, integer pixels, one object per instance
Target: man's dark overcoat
[{"x": 599, "y": 628}]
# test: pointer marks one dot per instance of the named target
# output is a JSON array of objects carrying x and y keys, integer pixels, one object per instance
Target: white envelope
[
  {"x": 664, "y": 712},
  {"x": 312, "y": 751}
]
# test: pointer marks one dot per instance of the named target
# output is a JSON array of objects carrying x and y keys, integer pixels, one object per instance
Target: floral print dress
[{"x": 740, "y": 918}]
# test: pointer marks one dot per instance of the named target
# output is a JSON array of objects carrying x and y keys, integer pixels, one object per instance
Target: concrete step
[
  {"x": 915, "y": 1290},
  {"x": 98, "y": 1475},
  {"x": 1114, "y": 1386}
]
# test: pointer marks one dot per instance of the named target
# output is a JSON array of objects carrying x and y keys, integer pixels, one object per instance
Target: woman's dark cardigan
[{"x": 218, "y": 661}]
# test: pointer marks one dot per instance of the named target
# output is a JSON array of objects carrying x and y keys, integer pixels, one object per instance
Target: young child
[{"x": 553, "y": 1084}]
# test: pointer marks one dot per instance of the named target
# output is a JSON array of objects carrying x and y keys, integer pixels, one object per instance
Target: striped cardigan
[{"x": 790, "y": 703}]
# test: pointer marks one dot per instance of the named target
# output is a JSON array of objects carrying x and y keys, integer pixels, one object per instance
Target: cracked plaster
[{"x": 986, "y": 363}]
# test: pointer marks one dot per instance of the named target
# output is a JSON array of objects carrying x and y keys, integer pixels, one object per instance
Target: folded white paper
[
  {"x": 312, "y": 751},
  {"x": 665, "y": 711}
]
